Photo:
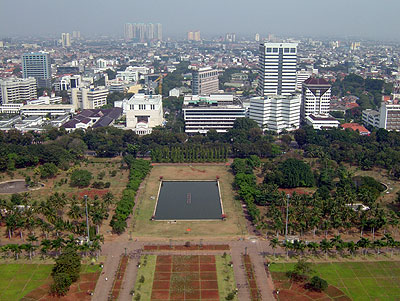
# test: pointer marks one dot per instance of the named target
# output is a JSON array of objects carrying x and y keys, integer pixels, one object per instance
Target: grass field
[
  {"x": 147, "y": 268},
  {"x": 94, "y": 165},
  {"x": 358, "y": 280},
  {"x": 226, "y": 276},
  {"x": 17, "y": 280},
  {"x": 233, "y": 226}
]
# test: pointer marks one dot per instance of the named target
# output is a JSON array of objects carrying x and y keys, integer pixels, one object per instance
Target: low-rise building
[
  {"x": 93, "y": 118},
  {"x": 143, "y": 112},
  {"x": 371, "y": 118},
  {"x": 276, "y": 113},
  {"x": 17, "y": 90},
  {"x": 356, "y": 127},
  {"x": 319, "y": 122},
  {"x": 43, "y": 110},
  {"x": 387, "y": 118},
  {"x": 89, "y": 98},
  {"x": 218, "y": 112},
  {"x": 10, "y": 108}
]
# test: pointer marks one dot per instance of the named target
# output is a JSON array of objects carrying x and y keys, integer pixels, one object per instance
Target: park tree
[{"x": 80, "y": 178}]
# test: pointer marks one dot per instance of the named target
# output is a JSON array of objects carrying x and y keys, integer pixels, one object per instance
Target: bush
[
  {"x": 98, "y": 185},
  {"x": 230, "y": 296},
  {"x": 141, "y": 279},
  {"x": 80, "y": 178},
  {"x": 48, "y": 170},
  {"x": 318, "y": 284}
]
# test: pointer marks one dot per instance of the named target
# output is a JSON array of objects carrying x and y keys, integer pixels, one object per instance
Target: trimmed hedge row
[{"x": 138, "y": 170}]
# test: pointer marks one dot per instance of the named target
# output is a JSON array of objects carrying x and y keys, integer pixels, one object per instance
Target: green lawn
[
  {"x": 225, "y": 276},
  {"x": 234, "y": 226},
  {"x": 147, "y": 268},
  {"x": 17, "y": 280},
  {"x": 359, "y": 280}
]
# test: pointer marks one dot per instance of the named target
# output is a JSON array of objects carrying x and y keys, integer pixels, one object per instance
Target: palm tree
[
  {"x": 378, "y": 244},
  {"x": 312, "y": 246},
  {"x": 57, "y": 244},
  {"x": 11, "y": 224},
  {"x": 45, "y": 247},
  {"x": 390, "y": 243},
  {"x": 75, "y": 212},
  {"x": 16, "y": 249},
  {"x": 351, "y": 247},
  {"x": 325, "y": 246},
  {"x": 273, "y": 243},
  {"x": 337, "y": 242},
  {"x": 28, "y": 248},
  {"x": 288, "y": 245},
  {"x": 364, "y": 243},
  {"x": 97, "y": 218}
]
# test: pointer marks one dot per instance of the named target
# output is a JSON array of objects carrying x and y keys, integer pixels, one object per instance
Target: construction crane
[{"x": 159, "y": 80}]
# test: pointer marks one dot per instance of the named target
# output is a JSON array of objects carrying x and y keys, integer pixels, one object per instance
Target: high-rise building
[
  {"x": 205, "y": 81},
  {"x": 277, "y": 69},
  {"x": 158, "y": 32},
  {"x": 65, "y": 39},
  {"x": 276, "y": 113},
  {"x": 128, "y": 31},
  {"x": 141, "y": 32},
  {"x": 17, "y": 90},
  {"x": 257, "y": 37},
  {"x": 230, "y": 37},
  {"x": 76, "y": 34},
  {"x": 316, "y": 97},
  {"x": 194, "y": 36},
  {"x": 37, "y": 65}
]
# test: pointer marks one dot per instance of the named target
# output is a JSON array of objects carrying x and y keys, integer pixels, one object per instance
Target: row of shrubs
[{"x": 138, "y": 170}]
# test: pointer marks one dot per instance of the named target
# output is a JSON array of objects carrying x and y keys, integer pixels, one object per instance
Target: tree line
[
  {"x": 138, "y": 170},
  {"x": 190, "y": 153}
]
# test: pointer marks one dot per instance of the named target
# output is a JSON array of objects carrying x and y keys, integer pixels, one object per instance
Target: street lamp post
[
  {"x": 287, "y": 216},
  {"x": 87, "y": 218}
]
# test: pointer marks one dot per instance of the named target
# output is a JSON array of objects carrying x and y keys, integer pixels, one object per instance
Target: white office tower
[
  {"x": 143, "y": 112},
  {"x": 277, "y": 69},
  {"x": 276, "y": 113},
  {"x": 315, "y": 97},
  {"x": 257, "y": 37},
  {"x": 17, "y": 90},
  {"x": 205, "y": 81},
  {"x": 89, "y": 98}
]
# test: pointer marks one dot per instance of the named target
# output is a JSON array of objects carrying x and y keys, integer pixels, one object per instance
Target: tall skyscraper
[
  {"x": 141, "y": 32},
  {"x": 37, "y": 65},
  {"x": 316, "y": 97},
  {"x": 277, "y": 69},
  {"x": 65, "y": 39},
  {"x": 194, "y": 36}
]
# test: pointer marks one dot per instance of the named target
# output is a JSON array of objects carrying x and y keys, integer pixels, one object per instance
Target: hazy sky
[{"x": 376, "y": 19}]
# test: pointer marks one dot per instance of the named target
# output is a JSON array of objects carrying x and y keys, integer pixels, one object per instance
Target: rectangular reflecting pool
[{"x": 188, "y": 200}]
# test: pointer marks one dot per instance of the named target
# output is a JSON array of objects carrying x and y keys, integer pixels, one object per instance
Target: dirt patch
[
  {"x": 184, "y": 282},
  {"x": 78, "y": 291}
]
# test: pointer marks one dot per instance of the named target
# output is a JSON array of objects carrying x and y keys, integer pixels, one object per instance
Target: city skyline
[{"x": 312, "y": 18}]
